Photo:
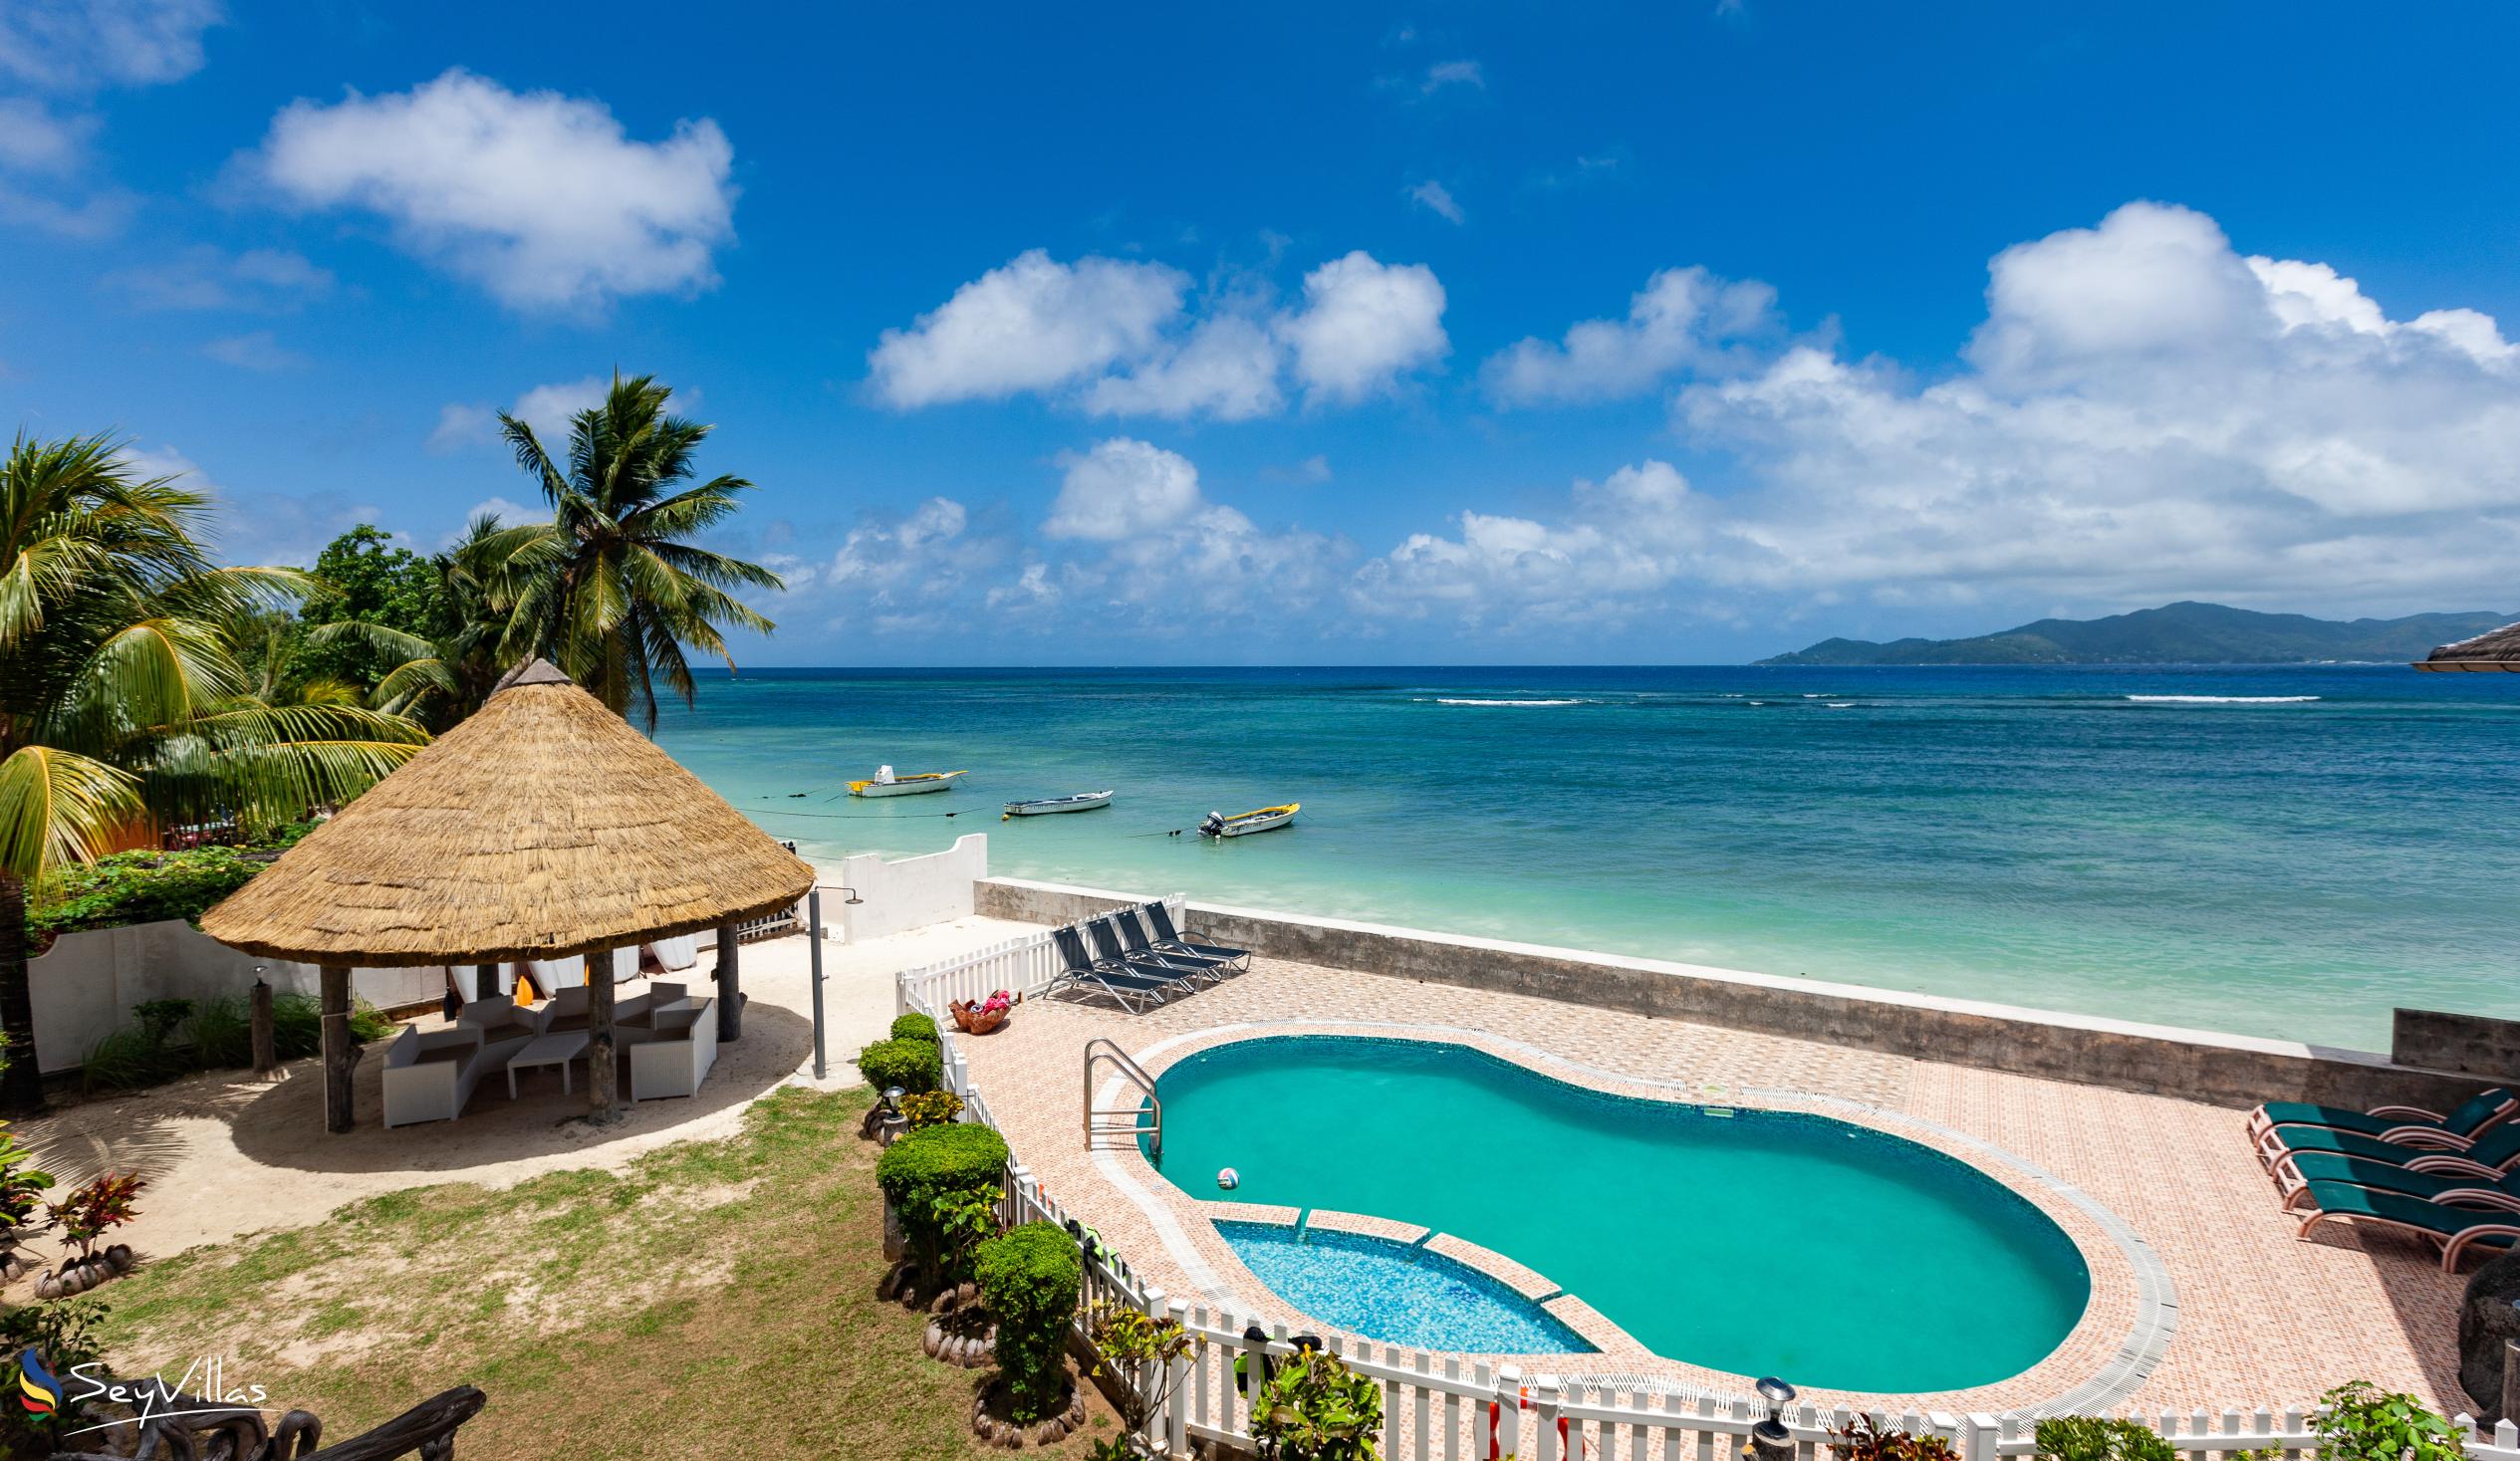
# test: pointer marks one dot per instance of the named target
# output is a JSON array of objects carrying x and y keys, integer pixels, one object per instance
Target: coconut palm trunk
[{"x": 21, "y": 1079}]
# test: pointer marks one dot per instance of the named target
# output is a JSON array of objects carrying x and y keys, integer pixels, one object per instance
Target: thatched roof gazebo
[
  {"x": 542, "y": 825},
  {"x": 2499, "y": 649}
]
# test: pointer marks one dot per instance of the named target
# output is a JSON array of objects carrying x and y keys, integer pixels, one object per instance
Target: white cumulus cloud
[
  {"x": 1116, "y": 336},
  {"x": 1121, "y": 488},
  {"x": 1363, "y": 323},
  {"x": 543, "y": 200},
  {"x": 1032, "y": 324},
  {"x": 1682, "y": 319}
]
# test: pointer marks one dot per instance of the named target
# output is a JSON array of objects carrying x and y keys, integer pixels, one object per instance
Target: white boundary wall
[
  {"x": 86, "y": 984},
  {"x": 910, "y": 894},
  {"x": 1443, "y": 1407}
]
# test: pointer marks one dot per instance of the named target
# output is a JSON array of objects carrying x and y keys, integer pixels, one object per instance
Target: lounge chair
[
  {"x": 1173, "y": 940},
  {"x": 2455, "y": 1228},
  {"x": 2408, "y": 1124},
  {"x": 2457, "y": 1188},
  {"x": 1131, "y": 991},
  {"x": 1112, "y": 952},
  {"x": 1133, "y": 937},
  {"x": 2495, "y": 1153}
]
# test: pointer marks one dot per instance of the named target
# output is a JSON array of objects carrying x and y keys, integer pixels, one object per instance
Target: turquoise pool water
[
  {"x": 1749, "y": 1242},
  {"x": 1396, "y": 1292}
]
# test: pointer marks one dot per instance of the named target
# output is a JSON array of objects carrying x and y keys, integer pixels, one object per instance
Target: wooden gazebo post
[
  {"x": 604, "y": 1067},
  {"x": 341, "y": 1051},
  {"x": 730, "y": 983},
  {"x": 540, "y": 828}
]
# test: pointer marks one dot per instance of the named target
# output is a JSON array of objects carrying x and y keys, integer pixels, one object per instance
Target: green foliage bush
[
  {"x": 2359, "y": 1421},
  {"x": 1862, "y": 1440},
  {"x": 912, "y": 1064},
  {"x": 2090, "y": 1439},
  {"x": 916, "y": 1027},
  {"x": 167, "y": 1045},
  {"x": 1315, "y": 1408},
  {"x": 929, "y": 1174},
  {"x": 137, "y": 888},
  {"x": 1031, "y": 1276},
  {"x": 930, "y": 1108}
]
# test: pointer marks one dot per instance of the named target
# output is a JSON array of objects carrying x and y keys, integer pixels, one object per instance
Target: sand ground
[{"x": 226, "y": 1154}]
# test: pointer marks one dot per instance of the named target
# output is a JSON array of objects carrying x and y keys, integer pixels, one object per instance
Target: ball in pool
[{"x": 1228, "y": 1178}]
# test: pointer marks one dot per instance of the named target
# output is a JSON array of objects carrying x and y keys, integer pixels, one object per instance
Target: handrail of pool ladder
[{"x": 1100, "y": 1048}]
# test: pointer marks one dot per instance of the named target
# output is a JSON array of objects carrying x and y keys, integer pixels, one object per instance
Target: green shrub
[
  {"x": 930, "y": 1108},
  {"x": 2090, "y": 1439},
  {"x": 1031, "y": 1276},
  {"x": 1315, "y": 1408},
  {"x": 912, "y": 1064},
  {"x": 137, "y": 888},
  {"x": 916, "y": 1027},
  {"x": 217, "y": 1034},
  {"x": 928, "y": 1175},
  {"x": 1862, "y": 1440},
  {"x": 2359, "y": 1421}
]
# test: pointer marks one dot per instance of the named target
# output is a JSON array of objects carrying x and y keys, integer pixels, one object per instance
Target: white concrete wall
[
  {"x": 910, "y": 894},
  {"x": 86, "y": 984}
]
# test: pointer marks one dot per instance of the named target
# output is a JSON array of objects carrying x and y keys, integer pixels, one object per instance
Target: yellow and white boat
[
  {"x": 1244, "y": 823},
  {"x": 885, "y": 784}
]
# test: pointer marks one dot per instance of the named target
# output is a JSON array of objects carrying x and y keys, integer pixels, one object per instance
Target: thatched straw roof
[
  {"x": 2499, "y": 649},
  {"x": 541, "y": 826}
]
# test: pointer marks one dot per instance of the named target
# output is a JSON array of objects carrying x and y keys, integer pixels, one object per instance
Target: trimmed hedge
[
  {"x": 931, "y": 1160},
  {"x": 1031, "y": 1276},
  {"x": 916, "y": 1027},
  {"x": 912, "y": 1064},
  {"x": 937, "y": 1165}
]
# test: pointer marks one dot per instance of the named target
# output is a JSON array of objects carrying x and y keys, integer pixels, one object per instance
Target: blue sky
[{"x": 1454, "y": 333}]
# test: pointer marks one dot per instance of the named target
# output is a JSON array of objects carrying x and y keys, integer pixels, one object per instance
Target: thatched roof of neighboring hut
[
  {"x": 541, "y": 826},
  {"x": 2499, "y": 649}
]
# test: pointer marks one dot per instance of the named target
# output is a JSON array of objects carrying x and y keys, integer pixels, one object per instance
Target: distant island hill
[{"x": 2175, "y": 633}]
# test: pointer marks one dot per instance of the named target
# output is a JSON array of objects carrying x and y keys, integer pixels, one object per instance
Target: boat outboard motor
[
  {"x": 1215, "y": 823},
  {"x": 883, "y": 773}
]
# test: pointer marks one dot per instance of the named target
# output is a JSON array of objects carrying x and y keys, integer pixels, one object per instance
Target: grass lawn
[{"x": 717, "y": 1299}]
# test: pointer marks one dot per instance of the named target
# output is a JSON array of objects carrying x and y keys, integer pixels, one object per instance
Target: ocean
[{"x": 2286, "y": 852}]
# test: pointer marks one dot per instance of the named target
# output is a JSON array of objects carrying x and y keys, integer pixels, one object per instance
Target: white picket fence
[
  {"x": 1024, "y": 966},
  {"x": 1446, "y": 1409}
]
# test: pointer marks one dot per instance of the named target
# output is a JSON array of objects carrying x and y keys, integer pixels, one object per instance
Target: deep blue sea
[{"x": 2284, "y": 851}]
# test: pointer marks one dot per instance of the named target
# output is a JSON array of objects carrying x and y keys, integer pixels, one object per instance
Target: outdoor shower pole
[{"x": 813, "y": 929}]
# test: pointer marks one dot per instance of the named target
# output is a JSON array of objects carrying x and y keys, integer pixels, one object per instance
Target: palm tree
[
  {"x": 442, "y": 677},
  {"x": 613, "y": 590},
  {"x": 122, "y": 701}
]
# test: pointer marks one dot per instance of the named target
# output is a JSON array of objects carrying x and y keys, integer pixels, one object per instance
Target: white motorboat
[
  {"x": 1045, "y": 806},
  {"x": 1244, "y": 823},
  {"x": 885, "y": 784}
]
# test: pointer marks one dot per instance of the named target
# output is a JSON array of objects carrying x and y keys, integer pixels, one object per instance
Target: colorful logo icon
[{"x": 38, "y": 1391}]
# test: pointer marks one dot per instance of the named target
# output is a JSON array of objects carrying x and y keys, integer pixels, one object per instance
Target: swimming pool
[
  {"x": 1747, "y": 1241},
  {"x": 1397, "y": 1292}
]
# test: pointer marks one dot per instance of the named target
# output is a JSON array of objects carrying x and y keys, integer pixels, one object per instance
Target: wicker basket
[{"x": 970, "y": 1019}]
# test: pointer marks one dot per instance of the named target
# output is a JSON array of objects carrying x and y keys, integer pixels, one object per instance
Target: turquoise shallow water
[
  {"x": 1755, "y": 1242},
  {"x": 2271, "y": 864},
  {"x": 1396, "y": 1293}
]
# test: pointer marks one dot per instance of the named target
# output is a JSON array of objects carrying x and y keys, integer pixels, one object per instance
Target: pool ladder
[{"x": 1131, "y": 1121}]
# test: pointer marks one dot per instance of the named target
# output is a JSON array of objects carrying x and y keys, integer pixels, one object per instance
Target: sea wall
[
  {"x": 2230, "y": 1070},
  {"x": 2472, "y": 1044},
  {"x": 910, "y": 894},
  {"x": 83, "y": 987}
]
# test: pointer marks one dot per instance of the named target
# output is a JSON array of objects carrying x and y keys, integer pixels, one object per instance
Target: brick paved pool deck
[{"x": 2201, "y": 1294}]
